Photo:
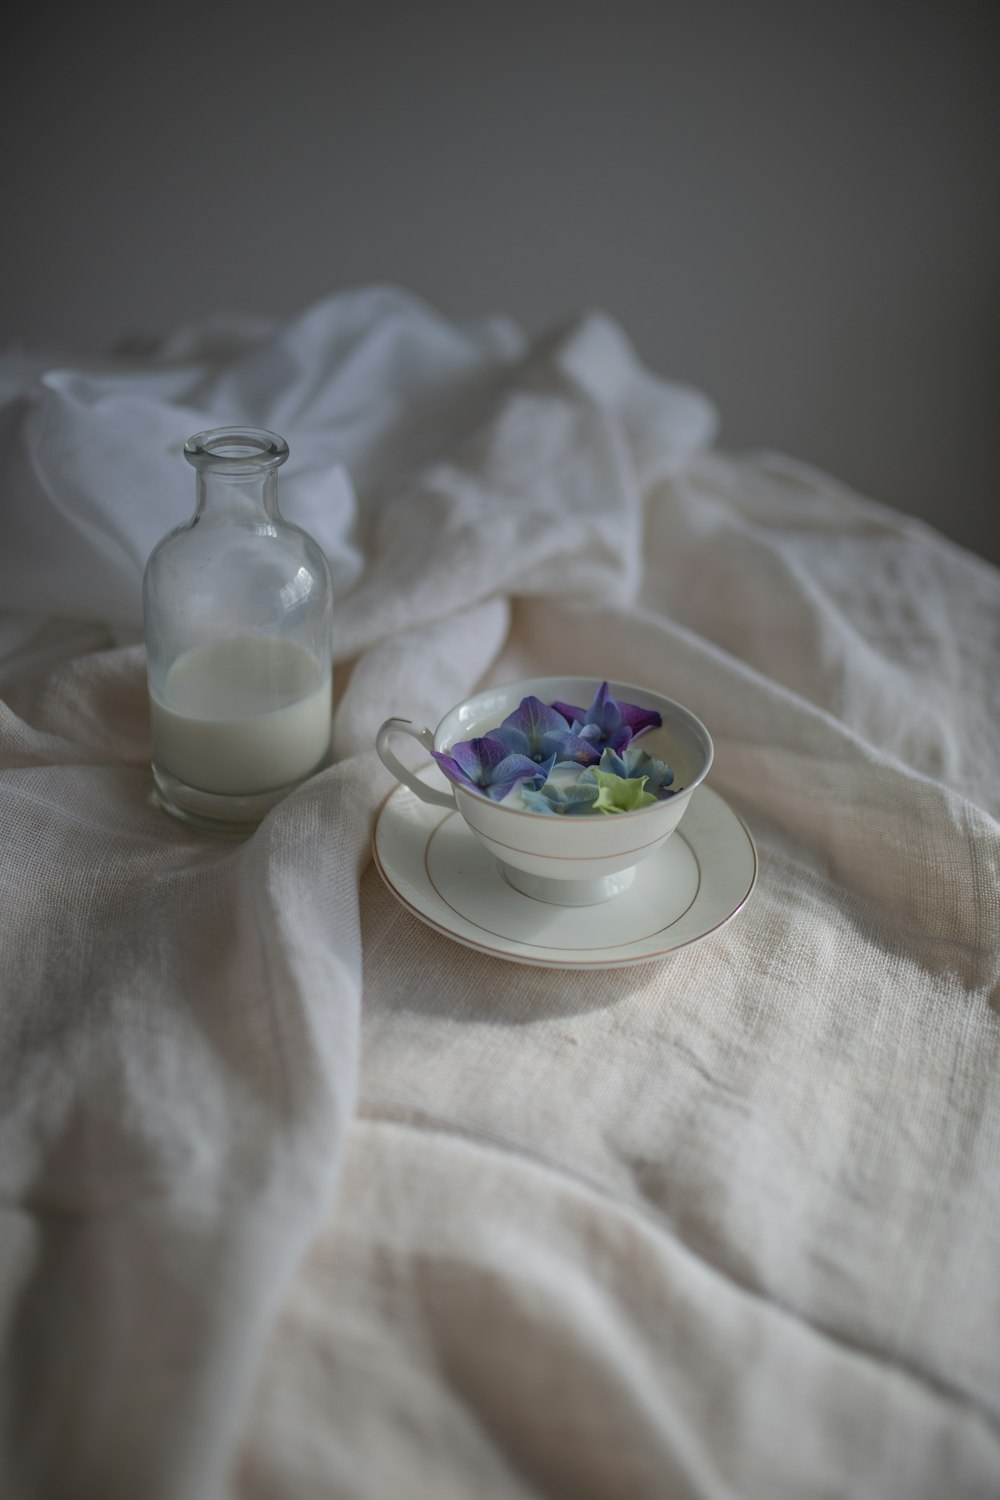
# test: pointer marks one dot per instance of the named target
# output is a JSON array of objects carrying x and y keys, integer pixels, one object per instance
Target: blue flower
[
  {"x": 522, "y": 751},
  {"x": 607, "y": 723},
  {"x": 487, "y": 766},
  {"x": 539, "y": 732},
  {"x": 560, "y": 799},
  {"x": 635, "y": 761}
]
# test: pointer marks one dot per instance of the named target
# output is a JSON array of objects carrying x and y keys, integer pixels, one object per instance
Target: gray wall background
[{"x": 793, "y": 206}]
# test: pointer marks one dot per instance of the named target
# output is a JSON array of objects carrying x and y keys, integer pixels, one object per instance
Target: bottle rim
[{"x": 235, "y": 450}]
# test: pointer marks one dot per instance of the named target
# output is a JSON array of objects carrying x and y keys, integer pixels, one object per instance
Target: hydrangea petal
[
  {"x": 514, "y": 769},
  {"x": 486, "y": 765},
  {"x": 579, "y": 798},
  {"x": 569, "y": 713},
  {"x": 604, "y": 711},
  {"x": 601, "y": 723},
  {"x": 620, "y": 794},
  {"x": 607, "y": 714},
  {"x": 572, "y": 748},
  {"x": 533, "y": 719},
  {"x": 569, "y": 800},
  {"x": 516, "y": 741},
  {"x": 635, "y": 761},
  {"x": 620, "y": 739},
  {"x": 614, "y": 763},
  {"x": 639, "y": 719},
  {"x": 537, "y": 801},
  {"x": 479, "y": 757},
  {"x": 451, "y": 768}
]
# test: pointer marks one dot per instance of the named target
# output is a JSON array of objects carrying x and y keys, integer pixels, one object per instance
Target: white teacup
[{"x": 570, "y": 861}]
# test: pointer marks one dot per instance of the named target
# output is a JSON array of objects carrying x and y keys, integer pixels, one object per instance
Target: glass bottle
[{"x": 237, "y": 605}]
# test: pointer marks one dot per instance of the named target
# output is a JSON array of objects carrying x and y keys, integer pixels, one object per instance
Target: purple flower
[
  {"x": 487, "y": 766},
  {"x": 607, "y": 724},
  {"x": 539, "y": 732}
]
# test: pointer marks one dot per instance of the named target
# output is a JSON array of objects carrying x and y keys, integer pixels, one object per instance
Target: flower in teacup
[
  {"x": 608, "y": 723},
  {"x": 560, "y": 799},
  {"x": 616, "y": 794},
  {"x": 487, "y": 766},
  {"x": 539, "y": 732},
  {"x": 634, "y": 762}
]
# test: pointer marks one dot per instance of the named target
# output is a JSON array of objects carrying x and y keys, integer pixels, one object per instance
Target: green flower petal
[{"x": 619, "y": 793}]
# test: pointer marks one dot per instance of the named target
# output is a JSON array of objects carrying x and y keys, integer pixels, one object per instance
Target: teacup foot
[{"x": 567, "y": 892}]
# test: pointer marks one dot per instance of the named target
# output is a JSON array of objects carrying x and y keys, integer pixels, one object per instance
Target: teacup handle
[{"x": 426, "y": 737}]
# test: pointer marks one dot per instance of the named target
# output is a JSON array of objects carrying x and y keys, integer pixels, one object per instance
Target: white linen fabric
[{"x": 301, "y": 1199}]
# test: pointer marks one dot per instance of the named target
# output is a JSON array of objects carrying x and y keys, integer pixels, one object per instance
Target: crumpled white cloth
[
  {"x": 722, "y": 1225},
  {"x": 360, "y": 386}
]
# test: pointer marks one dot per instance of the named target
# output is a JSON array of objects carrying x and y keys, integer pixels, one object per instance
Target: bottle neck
[
  {"x": 237, "y": 471},
  {"x": 252, "y": 498}
]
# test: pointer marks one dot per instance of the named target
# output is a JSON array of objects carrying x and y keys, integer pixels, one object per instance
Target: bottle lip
[{"x": 235, "y": 450}]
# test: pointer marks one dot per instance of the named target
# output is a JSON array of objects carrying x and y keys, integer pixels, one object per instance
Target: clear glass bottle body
[{"x": 237, "y": 605}]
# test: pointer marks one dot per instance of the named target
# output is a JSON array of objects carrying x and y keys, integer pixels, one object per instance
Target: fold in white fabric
[{"x": 301, "y": 1199}]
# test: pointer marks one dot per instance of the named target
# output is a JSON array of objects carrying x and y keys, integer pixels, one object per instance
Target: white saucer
[{"x": 696, "y": 881}]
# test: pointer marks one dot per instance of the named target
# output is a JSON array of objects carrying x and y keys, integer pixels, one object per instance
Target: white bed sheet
[{"x": 301, "y": 1199}]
